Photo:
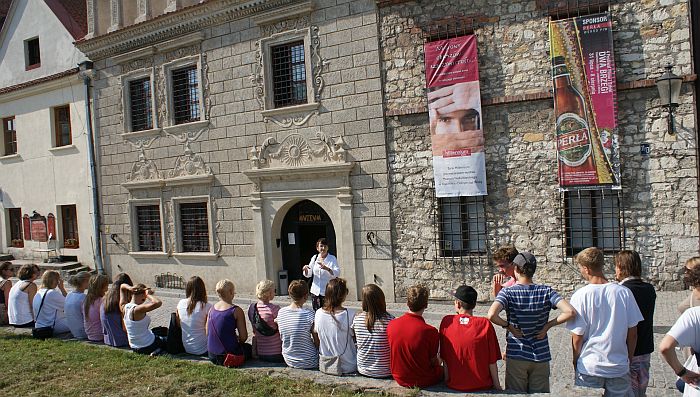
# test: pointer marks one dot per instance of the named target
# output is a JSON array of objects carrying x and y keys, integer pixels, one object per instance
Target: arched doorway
[{"x": 302, "y": 226}]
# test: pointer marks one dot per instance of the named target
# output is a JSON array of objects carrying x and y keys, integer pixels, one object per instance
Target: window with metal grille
[
  {"x": 15, "y": 215},
  {"x": 69, "y": 226},
  {"x": 185, "y": 94},
  {"x": 561, "y": 9},
  {"x": 592, "y": 219},
  {"x": 148, "y": 228},
  {"x": 140, "y": 104},
  {"x": 194, "y": 227},
  {"x": 462, "y": 225},
  {"x": 61, "y": 115},
  {"x": 32, "y": 56},
  {"x": 9, "y": 136},
  {"x": 288, "y": 74}
]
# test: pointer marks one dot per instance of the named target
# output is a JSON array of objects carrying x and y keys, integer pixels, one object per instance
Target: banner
[
  {"x": 454, "y": 103},
  {"x": 583, "y": 75}
]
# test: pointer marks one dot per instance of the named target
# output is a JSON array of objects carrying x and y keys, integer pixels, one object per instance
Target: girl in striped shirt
[
  {"x": 370, "y": 332},
  {"x": 296, "y": 327}
]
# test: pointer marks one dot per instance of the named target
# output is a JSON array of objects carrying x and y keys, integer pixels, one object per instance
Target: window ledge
[
  {"x": 10, "y": 157},
  {"x": 205, "y": 256},
  {"x": 308, "y": 107},
  {"x": 195, "y": 125},
  {"x": 61, "y": 148},
  {"x": 149, "y": 254},
  {"x": 205, "y": 179},
  {"x": 141, "y": 134},
  {"x": 147, "y": 184}
]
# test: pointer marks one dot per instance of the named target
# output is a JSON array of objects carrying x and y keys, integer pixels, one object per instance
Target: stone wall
[{"x": 660, "y": 208}]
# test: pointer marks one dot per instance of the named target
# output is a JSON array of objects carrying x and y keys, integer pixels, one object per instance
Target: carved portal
[
  {"x": 296, "y": 151},
  {"x": 189, "y": 163},
  {"x": 144, "y": 169}
]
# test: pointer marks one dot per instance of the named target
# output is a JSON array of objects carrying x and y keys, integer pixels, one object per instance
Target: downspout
[{"x": 86, "y": 73}]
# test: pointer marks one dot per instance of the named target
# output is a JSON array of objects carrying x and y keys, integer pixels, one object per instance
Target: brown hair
[
  {"x": 692, "y": 277},
  {"x": 50, "y": 279},
  {"x": 26, "y": 272},
  {"x": 417, "y": 298},
  {"x": 111, "y": 300},
  {"x": 629, "y": 263},
  {"x": 197, "y": 292},
  {"x": 298, "y": 290},
  {"x": 692, "y": 262},
  {"x": 373, "y": 304},
  {"x": 336, "y": 292},
  {"x": 139, "y": 289},
  {"x": 77, "y": 279},
  {"x": 97, "y": 284},
  {"x": 5, "y": 266},
  {"x": 591, "y": 258},
  {"x": 507, "y": 253}
]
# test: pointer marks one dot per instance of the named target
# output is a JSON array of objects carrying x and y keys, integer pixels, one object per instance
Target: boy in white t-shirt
[{"x": 604, "y": 331}]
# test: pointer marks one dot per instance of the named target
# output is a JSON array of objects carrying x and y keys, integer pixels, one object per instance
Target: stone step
[
  {"x": 66, "y": 269},
  {"x": 6, "y": 257}
]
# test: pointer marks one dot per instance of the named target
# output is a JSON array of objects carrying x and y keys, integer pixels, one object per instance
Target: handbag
[
  {"x": 331, "y": 365},
  {"x": 173, "y": 342},
  {"x": 43, "y": 332},
  {"x": 231, "y": 360},
  {"x": 260, "y": 324}
]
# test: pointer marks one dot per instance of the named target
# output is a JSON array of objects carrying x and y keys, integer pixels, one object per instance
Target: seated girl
[
  {"x": 266, "y": 347},
  {"x": 51, "y": 298},
  {"x": 6, "y": 272},
  {"x": 111, "y": 315},
  {"x": 296, "y": 328},
  {"x": 226, "y": 329},
  {"x": 20, "y": 313},
  {"x": 369, "y": 327},
  {"x": 74, "y": 304},
  {"x": 97, "y": 287},
  {"x": 192, "y": 315},
  {"x": 141, "y": 339},
  {"x": 333, "y": 325}
]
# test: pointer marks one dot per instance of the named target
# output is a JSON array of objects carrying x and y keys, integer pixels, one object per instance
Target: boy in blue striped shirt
[{"x": 527, "y": 306}]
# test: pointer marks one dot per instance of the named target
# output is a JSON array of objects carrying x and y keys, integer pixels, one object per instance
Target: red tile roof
[
  {"x": 72, "y": 14},
  {"x": 34, "y": 82}
]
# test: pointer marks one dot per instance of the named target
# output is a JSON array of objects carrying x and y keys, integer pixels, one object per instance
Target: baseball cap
[
  {"x": 525, "y": 260},
  {"x": 466, "y": 294}
]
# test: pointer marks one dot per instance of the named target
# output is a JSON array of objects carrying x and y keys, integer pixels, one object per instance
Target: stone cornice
[{"x": 175, "y": 24}]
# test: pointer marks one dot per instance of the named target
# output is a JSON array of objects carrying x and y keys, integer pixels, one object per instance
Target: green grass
[{"x": 31, "y": 367}]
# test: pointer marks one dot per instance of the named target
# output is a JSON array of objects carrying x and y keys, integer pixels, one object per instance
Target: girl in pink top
[
  {"x": 97, "y": 288},
  {"x": 268, "y": 348}
]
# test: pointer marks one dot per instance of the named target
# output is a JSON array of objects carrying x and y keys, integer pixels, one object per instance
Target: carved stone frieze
[
  {"x": 257, "y": 77},
  {"x": 161, "y": 95},
  {"x": 217, "y": 228},
  {"x": 137, "y": 64},
  {"x": 182, "y": 52},
  {"x": 281, "y": 26},
  {"x": 290, "y": 121},
  {"x": 169, "y": 227},
  {"x": 296, "y": 151},
  {"x": 205, "y": 87},
  {"x": 317, "y": 64},
  {"x": 190, "y": 163},
  {"x": 144, "y": 169}
]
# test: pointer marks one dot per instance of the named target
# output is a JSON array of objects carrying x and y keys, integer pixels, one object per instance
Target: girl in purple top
[
  {"x": 97, "y": 287},
  {"x": 111, "y": 315},
  {"x": 224, "y": 320}
]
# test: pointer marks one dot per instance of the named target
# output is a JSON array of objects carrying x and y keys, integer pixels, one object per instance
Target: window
[
  {"x": 32, "y": 57},
  {"x": 185, "y": 86},
  {"x": 592, "y": 220},
  {"x": 61, "y": 116},
  {"x": 9, "y": 136},
  {"x": 69, "y": 226},
  {"x": 15, "y": 218},
  {"x": 561, "y": 9},
  {"x": 288, "y": 74},
  {"x": 194, "y": 227},
  {"x": 148, "y": 228},
  {"x": 462, "y": 225},
  {"x": 140, "y": 104}
]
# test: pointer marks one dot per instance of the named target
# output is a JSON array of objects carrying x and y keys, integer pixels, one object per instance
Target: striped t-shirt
[
  {"x": 372, "y": 347},
  {"x": 528, "y": 307},
  {"x": 298, "y": 347}
]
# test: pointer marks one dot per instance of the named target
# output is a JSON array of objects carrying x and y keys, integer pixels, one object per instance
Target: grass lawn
[{"x": 31, "y": 367}]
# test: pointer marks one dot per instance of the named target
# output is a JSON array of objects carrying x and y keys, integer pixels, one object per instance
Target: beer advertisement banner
[
  {"x": 454, "y": 103},
  {"x": 583, "y": 75}
]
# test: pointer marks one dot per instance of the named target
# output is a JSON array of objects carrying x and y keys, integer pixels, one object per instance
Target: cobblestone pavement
[{"x": 662, "y": 381}]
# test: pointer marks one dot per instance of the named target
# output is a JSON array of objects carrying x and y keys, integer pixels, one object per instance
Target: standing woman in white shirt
[
  {"x": 51, "y": 314},
  {"x": 192, "y": 314},
  {"x": 323, "y": 267}
]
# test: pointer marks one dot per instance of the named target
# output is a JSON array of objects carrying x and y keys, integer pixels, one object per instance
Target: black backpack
[{"x": 261, "y": 325}]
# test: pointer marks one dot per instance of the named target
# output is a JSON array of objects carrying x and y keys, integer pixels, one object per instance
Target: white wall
[
  {"x": 32, "y": 18},
  {"x": 41, "y": 177}
]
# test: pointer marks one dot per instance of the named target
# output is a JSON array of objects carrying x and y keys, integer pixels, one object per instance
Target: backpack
[{"x": 261, "y": 325}]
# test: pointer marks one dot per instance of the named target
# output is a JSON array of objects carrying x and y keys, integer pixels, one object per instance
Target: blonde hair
[
  {"x": 77, "y": 279},
  {"x": 591, "y": 258},
  {"x": 692, "y": 262},
  {"x": 50, "y": 279},
  {"x": 224, "y": 286},
  {"x": 263, "y": 288}
]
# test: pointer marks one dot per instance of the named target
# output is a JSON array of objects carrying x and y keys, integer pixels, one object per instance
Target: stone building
[{"x": 233, "y": 134}]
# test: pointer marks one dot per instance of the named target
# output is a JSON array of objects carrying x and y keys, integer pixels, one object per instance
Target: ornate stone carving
[
  {"x": 144, "y": 10},
  {"x": 217, "y": 228},
  {"x": 137, "y": 64},
  {"x": 281, "y": 26},
  {"x": 317, "y": 64},
  {"x": 205, "y": 87},
  {"x": 91, "y": 20},
  {"x": 161, "y": 95},
  {"x": 182, "y": 52},
  {"x": 257, "y": 77},
  {"x": 144, "y": 169},
  {"x": 189, "y": 163},
  {"x": 289, "y": 121},
  {"x": 296, "y": 151},
  {"x": 115, "y": 15},
  {"x": 172, "y": 5},
  {"x": 169, "y": 227}
]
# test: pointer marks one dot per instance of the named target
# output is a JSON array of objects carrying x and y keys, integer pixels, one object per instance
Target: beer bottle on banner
[{"x": 573, "y": 132}]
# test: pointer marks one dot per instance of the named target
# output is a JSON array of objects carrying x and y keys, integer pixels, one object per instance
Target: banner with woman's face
[{"x": 454, "y": 104}]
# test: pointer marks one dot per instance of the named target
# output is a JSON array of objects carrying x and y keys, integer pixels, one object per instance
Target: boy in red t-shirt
[
  {"x": 469, "y": 346},
  {"x": 413, "y": 344}
]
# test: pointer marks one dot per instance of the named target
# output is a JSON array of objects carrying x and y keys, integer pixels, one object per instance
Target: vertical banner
[
  {"x": 454, "y": 103},
  {"x": 583, "y": 75}
]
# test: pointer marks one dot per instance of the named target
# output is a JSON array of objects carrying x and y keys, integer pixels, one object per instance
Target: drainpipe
[{"x": 86, "y": 73}]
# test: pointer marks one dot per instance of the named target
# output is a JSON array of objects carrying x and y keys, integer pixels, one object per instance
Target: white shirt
[
  {"x": 19, "y": 311},
  {"x": 51, "y": 314},
  {"x": 336, "y": 338},
  {"x": 194, "y": 336},
  {"x": 137, "y": 331},
  {"x": 321, "y": 276},
  {"x": 74, "y": 314},
  {"x": 604, "y": 313},
  {"x": 686, "y": 330}
]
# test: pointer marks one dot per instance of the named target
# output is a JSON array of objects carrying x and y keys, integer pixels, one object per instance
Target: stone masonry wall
[{"x": 660, "y": 206}]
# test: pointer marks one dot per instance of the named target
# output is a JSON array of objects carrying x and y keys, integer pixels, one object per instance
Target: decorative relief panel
[
  {"x": 297, "y": 151},
  {"x": 288, "y": 24},
  {"x": 137, "y": 64},
  {"x": 205, "y": 87},
  {"x": 144, "y": 169},
  {"x": 190, "y": 163},
  {"x": 182, "y": 52},
  {"x": 160, "y": 84}
]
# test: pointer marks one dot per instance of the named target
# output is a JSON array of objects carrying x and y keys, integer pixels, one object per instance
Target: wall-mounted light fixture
[
  {"x": 372, "y": 238},
  {"x": 669, "y": 86}
]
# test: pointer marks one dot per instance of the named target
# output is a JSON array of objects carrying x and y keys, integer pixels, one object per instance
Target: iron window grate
[
  {"x": 194, "y": 226},
  {"x": 9, "y": 136},
  {"x": 289, "y": 74},
  {"x": 69, "y": 223},
  {"x": 461, "y": 226},
  {"x": 140, "y": 104},
  {"x": 62, "y": 120},
  {"x": 185, "y": 95},
  {"x": 149, "y": 228},
  {"x": 592, "y": 219},
  {"x": 15, "y": 215}
]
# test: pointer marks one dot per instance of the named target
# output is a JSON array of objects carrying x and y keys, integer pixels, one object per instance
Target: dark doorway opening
[{"x": 303, "y": 225}]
